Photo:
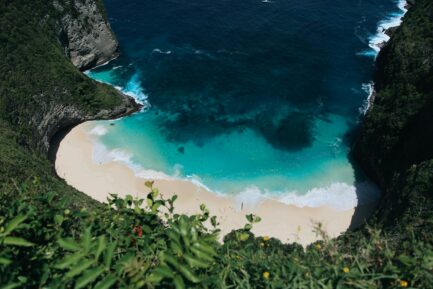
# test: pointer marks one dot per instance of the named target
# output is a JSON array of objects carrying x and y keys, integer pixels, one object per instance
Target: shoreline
[
  {"x": 73, "y": 163},
  {"x": 386, "y": 26},
  {"x": 288, "y": 223}
]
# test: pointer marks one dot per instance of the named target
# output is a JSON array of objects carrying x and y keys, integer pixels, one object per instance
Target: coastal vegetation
[
  {"x": 47, "y": 243},
  {"x": 53, "y": 236}
]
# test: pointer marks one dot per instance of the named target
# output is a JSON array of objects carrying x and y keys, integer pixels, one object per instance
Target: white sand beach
[{"x": 286, "y": 222}]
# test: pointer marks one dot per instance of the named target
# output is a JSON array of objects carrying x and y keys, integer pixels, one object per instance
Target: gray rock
[
  {"x": 85, "y": 34},
  {"x": 53, "y": 117}
]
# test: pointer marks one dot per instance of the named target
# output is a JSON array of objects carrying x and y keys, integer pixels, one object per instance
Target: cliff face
[
  {"x": 41, "y": 44},
  {"x": 85, "y": 34},
  {"x": 53, "y": 117},
  {"x": 396, "y": 143}
]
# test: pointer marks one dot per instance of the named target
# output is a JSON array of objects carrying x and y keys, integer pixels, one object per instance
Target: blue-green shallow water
[{"x": 245, "y": 97}]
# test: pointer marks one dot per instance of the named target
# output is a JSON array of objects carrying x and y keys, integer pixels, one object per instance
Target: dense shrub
[{"x": 133, "y": 243}]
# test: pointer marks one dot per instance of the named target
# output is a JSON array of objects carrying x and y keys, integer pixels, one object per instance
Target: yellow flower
[
  {"x": 404, "y": 283},
  {"x": 318, "y": 246},
  {"x": 346, "y": 270},
  {"x": 266, "y": 238},
  {"x": 266, "y": 275},
  {"x": 262, "y": 244}
]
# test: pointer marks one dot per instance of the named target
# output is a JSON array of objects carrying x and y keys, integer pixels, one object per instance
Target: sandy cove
[{"x": 74, "y": 163}]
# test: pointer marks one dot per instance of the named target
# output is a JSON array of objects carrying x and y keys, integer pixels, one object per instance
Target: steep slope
[
  {"x": 41, "y": 92},
  {"x": 85, "y": 33},
  {"x": 396, "y": 142}
]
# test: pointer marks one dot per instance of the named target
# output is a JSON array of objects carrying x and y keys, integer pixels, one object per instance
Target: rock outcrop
[
  {"x": 85, "y": 33},
  {"x": 54, "y": 117},
  {"x": 41, "y": 90}
]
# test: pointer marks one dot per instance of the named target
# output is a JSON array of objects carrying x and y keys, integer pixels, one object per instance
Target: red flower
[{"x": 138, "y": 231}]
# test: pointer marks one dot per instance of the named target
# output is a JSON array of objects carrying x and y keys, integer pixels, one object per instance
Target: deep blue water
[{"x": 244, "y": 96}]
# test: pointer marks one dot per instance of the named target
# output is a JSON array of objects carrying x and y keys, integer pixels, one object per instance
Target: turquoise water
[{"x": 249, "y": 99}]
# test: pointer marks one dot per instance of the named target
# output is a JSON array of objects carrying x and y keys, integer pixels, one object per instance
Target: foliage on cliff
[
  {"x": 35, "y": 75},
  {"x": 45, "y": 243},
  {"x": 396, "y": 141},
  {"x": 38, "y": 84},
  {"x": 52, "y": 236}
]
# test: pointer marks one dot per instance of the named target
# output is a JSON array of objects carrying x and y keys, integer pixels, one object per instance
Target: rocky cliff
[
  {"x": 41, "y": 44},
  {"x": 85, "y": 33},
  {"x": 395, "y": 146}
]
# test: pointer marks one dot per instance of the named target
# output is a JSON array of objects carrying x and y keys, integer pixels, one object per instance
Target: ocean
[{"x": 247, "y": 98}]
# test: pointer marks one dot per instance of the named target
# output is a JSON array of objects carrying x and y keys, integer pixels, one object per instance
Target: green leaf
[
  {"x": 406, "y": 260},
  {"x": 244, "y": 236},
  {"x": 14, "y": 241},
  {"x": 78, "y": 269},
  {"x": 58, "y": 219},
  {"x": 69, "y": 244},
  {"x": 250, "y": 218},
  {"x": 4, "y": 261},
  {"x": 178, "y": 282},
  {"x": 194, "y": 262},
  {"x": 201, "y": 255},
  {"x": 205, "y": 248},
  {"x": 88, "y": 276},
  {"x": 188, "y": 274},
  {"x": 86, "y": 239},
  {"x": 155, "y": 206},
  {"x": 213, "y": 221},
  {"x": 171, "y": 260},
  {"x": 69, "y": 260},
  {"x": 154, "y": 278},
  {"x": 248, "y": 227},
  {"x": 14, "y": 223},
  {"x": 11, "y": 286},
  {"x": 149, "y": 184},
  {"x": 164, "y": 271},
  {"x": 106, "y": 283},
  {"x": 149, "y": 202},
  {"x": 109, "y": 254},
  {"x": 102, "y": 244},
  {"x": 155, "y": 193},
  {"x": 176, "y": 247}
]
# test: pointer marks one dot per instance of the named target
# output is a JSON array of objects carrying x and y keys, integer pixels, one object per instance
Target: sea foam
[
  {"x": 135, "y": 89},
  {"x": 102, "y": 155},
  {"x": 99, "y": 130},
  {"x": 368, "y": 103},
  {"x": 340, "y": 196},
  {"x": 393, "y": 20}
]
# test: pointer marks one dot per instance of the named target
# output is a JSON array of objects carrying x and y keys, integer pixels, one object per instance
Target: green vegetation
[
  {"x": 45, "y": 243},
  {"x": 396, "y": 141},
  {"x": 52, "y": 236},
  {"x": 34, "y": 72}
]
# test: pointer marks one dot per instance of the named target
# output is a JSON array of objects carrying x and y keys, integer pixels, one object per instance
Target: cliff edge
[
  {"x": 85, "y": 33},
  {"x": 41, "y": 90},
  {"x": 395, "y": 146}
]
